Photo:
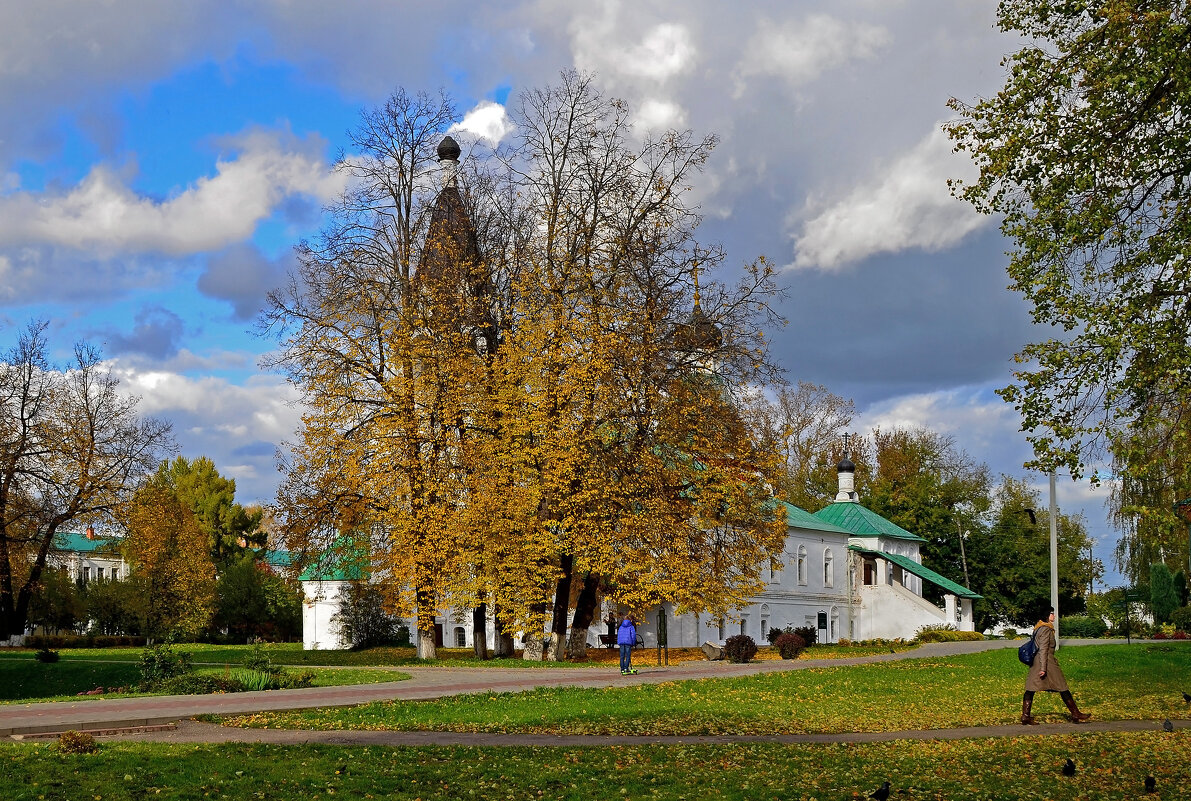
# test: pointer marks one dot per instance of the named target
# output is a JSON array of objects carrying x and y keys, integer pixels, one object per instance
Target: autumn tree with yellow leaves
[
  {"x": 169, "y": 555},
  {"x": 511, "y": 382},
  {"x": 72, "y": 450}
]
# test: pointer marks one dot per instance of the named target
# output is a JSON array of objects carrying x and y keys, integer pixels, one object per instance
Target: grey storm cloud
[
  {"x": 156, "y": 333},
  {"x": 819, "y": 107},
  {"x": 829, "y": 164},
  {"x": 242, "y": 276}
]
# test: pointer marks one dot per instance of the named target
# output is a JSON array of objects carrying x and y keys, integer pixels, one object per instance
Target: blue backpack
[{"x": 1027, "y": 651}]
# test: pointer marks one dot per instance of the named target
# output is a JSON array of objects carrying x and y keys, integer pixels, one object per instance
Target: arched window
[
  {"x": 828, "y": 567},
  {"x": 802, "y": 564},
  {"x": 460, "y": 637}
]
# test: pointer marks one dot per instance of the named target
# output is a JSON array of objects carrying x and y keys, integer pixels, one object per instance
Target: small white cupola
[
  {"x": 847, "y": 478},
  {"x": 448, "y": 157}
]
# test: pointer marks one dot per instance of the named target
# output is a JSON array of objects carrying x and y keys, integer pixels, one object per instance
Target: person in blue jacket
[{"x": 626, "y": 638}]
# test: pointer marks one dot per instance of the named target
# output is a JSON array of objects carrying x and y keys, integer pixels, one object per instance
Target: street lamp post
[{"x": 1054, "y": 556}]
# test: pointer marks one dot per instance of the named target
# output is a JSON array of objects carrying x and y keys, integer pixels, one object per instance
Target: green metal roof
[
  {"x": 78, "y": 543},
  {"x": 797, "y": 517},
  {"x": 861, "y": 522},
  {"x": 925, "y": 573},
  {"x": 343, "y": 561},
  {"x": 274, "y": 558}
]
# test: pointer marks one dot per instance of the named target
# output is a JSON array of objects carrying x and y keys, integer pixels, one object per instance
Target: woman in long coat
[{"x": 1045, "y": 675}]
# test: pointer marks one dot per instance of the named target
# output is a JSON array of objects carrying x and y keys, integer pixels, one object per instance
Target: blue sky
[{"x": 158, "y": 162}]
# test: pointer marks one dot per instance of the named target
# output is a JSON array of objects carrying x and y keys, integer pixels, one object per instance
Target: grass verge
[
  {"x": 291, "y": 654},
  {"x": 1113, "y": 682},
  {"x": 29, "y": 681},
  {"x": 1109, "y": 766}
]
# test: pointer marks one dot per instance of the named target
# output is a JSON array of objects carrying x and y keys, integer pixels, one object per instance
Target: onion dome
[
  {"x": 699, "y": 332},
  {"x": 448, "y": 149}
]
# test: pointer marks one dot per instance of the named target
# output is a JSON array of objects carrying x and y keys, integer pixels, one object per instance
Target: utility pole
[
  {"x": 1054, "y": 556},
  {"x": 963, "y": 557}
]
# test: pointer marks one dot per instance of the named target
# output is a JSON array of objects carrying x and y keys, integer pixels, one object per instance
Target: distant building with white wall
[{"x": 87, "y": 557}]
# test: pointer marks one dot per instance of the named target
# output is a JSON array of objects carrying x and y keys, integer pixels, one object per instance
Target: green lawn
[
  {"x": 25, "y": 680},
  {"x": 1109, "y": 766},
  {"x": 292, "y": 654},
  {"x": 1113, "y": 682}
]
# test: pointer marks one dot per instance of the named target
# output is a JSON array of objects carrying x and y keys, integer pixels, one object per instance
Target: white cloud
[
  {"x": 659, "y": 115},
  {"x": 800, "y": 50},
  {"x": 103, "y": 213},
  {"x": 487, "y": 120},
  {"x": 607, "y": 44},
  {"x": 237, "y": 425},
  {"x": 907, "y": 206},
  {"x": 639, "y": 55},
  {"x": 982, "y": 423}
]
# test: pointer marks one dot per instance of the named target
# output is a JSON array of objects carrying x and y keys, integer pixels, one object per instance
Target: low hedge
[
  {"x": 81, "y": 641},
  {"x": 945, "y": 635},
  {"x": 1082, "y": 626}
]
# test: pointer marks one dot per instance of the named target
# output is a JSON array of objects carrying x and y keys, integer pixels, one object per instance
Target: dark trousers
[{"x": 626, "y": 657}]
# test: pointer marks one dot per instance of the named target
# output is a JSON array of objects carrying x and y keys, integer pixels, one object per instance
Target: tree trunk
[
  {"x": 479, "y": 631},
  {"x": 562, "y": 598},
  {"x": 585, "y": 609},
  {"x": 534, "y": 642},
  {"x": 504, "y": 640},
  {"x": 427, "y": 647}
]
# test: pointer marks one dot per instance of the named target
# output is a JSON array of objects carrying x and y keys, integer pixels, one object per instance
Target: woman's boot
[
  {"x": 1027, "y": 704},
  {"x": 1076, "y": 715}
]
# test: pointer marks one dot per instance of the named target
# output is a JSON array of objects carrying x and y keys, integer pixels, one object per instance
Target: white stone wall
[
  {"x": 806, "y": 585},
  {"x": 87, "y": 566},
  {"x": 890, "y": 611},
  {"x": 319, "y": 630}
]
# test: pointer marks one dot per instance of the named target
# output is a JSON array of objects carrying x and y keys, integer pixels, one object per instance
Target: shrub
[
  {"x": 303, "y": 679},
  {"x": 1081, "y": 626},
  {"x": 944, "y": 634},
  {"x": 809, "y": 634},
  {"x": 1179, "y": 635},
  {"x": 257, "y": 680},
  {"x": 1181, "y": 618},
  {"x": 46, "y": 655},
  {"x": 363, "y": 621},
  {"x": 81, "y": 641},
  {"x": 76, "y": 742},
  {"x": 1164, "y": 596},
  {"x": 198, "y": 684},
  {"x": 258, "y": 659},
  {"x": 789, "y": 645},
  {"x": 160, "y": 663},
  {"x": 773, "y": 633},
  {"x": 739, "y": 648}
]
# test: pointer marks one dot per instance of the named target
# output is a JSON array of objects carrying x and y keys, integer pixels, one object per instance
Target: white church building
[{"x": 847, "y": 571}]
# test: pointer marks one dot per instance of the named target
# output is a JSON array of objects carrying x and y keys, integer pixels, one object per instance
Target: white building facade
[{"x": 87, "y": 557}]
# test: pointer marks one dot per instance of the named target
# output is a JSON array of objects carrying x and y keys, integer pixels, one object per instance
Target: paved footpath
[{"x": 158, "y": 717}]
